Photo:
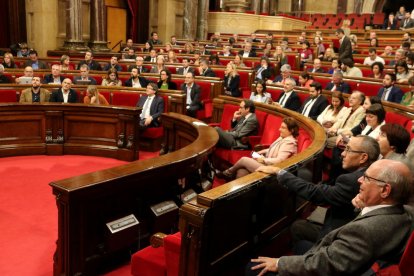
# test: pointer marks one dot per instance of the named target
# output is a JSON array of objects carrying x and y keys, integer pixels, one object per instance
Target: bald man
[
  {"x": 380, "y": 232},
  {"x": 65, "y": 94}
]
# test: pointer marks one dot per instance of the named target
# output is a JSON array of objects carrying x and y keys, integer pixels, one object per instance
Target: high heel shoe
[{"x": 227, "y": 175}]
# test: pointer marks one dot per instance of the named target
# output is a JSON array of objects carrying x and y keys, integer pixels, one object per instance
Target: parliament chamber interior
[{"x": 195, "y": 137}]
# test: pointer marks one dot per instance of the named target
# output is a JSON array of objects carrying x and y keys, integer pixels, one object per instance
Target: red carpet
[{"x": 28, "y": 214}]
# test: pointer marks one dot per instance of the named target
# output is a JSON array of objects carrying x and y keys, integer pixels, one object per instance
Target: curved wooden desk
[
  {"x": 55, "y": 129},
  {"x": 87, "y": 202}
]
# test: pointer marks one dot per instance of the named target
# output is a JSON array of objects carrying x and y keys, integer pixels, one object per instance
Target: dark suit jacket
[
  {"x": 77, "y": 78},
  {"x": 343, "y": 87},
  {"x": 345, "y": 50},
  {"x": 180, "y": 70},
  {"x": 280, "y": 78},
  {"x": 171, "y": 85},
  {"x": 395, "y": 94},
  {"x": 232, "y": 89},
  {"x": 317, "y": 108},
  {"x": 293, "y": 103},
  {"x": 41, "y": 64},
  {"x": 109, "y": 66},
  {"x": 57, "y": 96},
  {"x": 143, "y": 81},
  {"x": 195, "y": 96},
  {"x": 338, "y": 196},
  {"x": 209, "y": 73},
  {"x": 143, "y": 69},
  {"x": 320, "y": 70},
  {"x": 266, "y": 73},
  {"x": 351, "y": 250},
  {"x": 148, "y": 58},
  {"x": 392, "y": 25},
  {"x": 4, "y": 79},
  {"x": 49, "y": 79},
  {"x": 409, "y": 25},
  {"x": 156, "y": 108},
  {"x": 251, "y": 53},
  {"x": 94, "y": 65}
]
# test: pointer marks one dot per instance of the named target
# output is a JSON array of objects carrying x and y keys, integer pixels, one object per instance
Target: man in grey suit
[
  {"x": 244, "y": 123},
  {"x": 360, "y": 152},
  {"x": 345, "y": 48},
  {"x": 380, "y": 232}
]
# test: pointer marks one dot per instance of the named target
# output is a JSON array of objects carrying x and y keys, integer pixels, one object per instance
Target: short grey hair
[{"x": 371, "y": 147}]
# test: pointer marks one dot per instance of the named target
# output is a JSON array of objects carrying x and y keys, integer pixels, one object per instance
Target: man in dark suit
[
  {"x": 205, "y": 70},
  {"x": 289, "y": 99},
  {"x": 244, "y": 123},
  {"x": 193, "y": 92},
  {"x": 247, "y": 51},
  {"x": 316, "y": 66},
  {"x": 3, "y": 78},
  {"x": 139, "y": 61},
  {"x": 263, "y": 71},
  {"x": 84, "y": 76},
  {"x": 285, "y": 74},
  {"x": 152, "y": 107},
  {"x": 186, "y": 67},
  {"x": 337, "y": 83},
  {"x": 154, "y": 39},
  {"x": 316, "y": 103},
  {"x": 113, "y": 63},
  {"x": 65, "y": 94},
  {"x": 379, "y": 233},
  {"x": 407, "y": 22},
  {"x": 34, "y": 62},
  {"x": 55, "y": 77},
  {"x": 152, "y": 56},
  {"x": 345, "y": 50},
  {"x": 136, "y": 80},
  {"x": 389, "y": 92},
  {"x": 92, "y": 64}
]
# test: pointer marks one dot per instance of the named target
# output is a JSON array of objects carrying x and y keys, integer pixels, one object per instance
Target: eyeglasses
[
  {"x": 347, "y": 150},
  {"x": 369, "y": 178}
]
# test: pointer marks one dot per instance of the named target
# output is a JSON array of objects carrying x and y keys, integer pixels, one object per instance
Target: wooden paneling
[{"x": 116, "y": 26}]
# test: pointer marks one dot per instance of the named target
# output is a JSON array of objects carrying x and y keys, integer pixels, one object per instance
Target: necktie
[
  {"x": 282, "y": 100},
  {"x": 145, "y": 108},
  {"x": 305, "y": 109},
  {"x": 259, "y": 73},
  {"x": 385, "y": 94},
  {"x": 152, "y": 59}
]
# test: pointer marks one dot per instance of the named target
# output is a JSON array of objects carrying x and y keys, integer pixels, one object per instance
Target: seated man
[
  {"x": 152, "y": 106},
  {"x": 154, "y": 39},
  {"x": 389, "y": 92},
  {"x": 373, "y": 57},
  {"x": 65, "y": 94},
  {"x": 136, "y": 80},
  {"x": 84, "y": 76},
  {"x": 337, "y": 84},
  {"x": 34, "y": 62},
  {"x": 244, "y": 124},
  {"x": 205, "y": 70},
  {"x": 186, "y": 67},
  {"x": 289, "y": 98},
  {"x": 316, "y": 103},
  {"x": 247, "y": 50},
  {"x": 193, "y": 92},
  {"x": 139, "y": 61},
  {"x": 349, "y": 70},
  {"x": 113, "y": 63},
  {"x": 152, "y": 56},
  {"x": 399, "y": 55},
  {"x": 35, "y": 94},
  {"x": 129, "y": 45},
  {"x": 92, "y": 64},
  {"x": 316, "y": 66},
  {"x": 55, "y": 77},
  {"x": 27, "y": 73},
  {"x": 130, "y": 54},
  {"x": 3, "y": 78},
  {"x": 285, "y": 73},
  {"x": 379, "y": 233}
]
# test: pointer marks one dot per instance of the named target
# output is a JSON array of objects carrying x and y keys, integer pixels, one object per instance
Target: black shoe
[{"x": 227, "y": 175}]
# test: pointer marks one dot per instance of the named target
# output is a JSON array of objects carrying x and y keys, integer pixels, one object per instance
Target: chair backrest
[
  {"x": 406, "y": 263},
  {"x": 125, "y": 98},
  {"x": 8, "y": 96},
  {"x": 228, "y": 112},
  {"x": 172, "y": 248},
  {"x": 391, "y": 117},
  {"x": 304, "y": 140},
  {"x": 261, "y": 118},
  {"x": 271, "y": 129}
]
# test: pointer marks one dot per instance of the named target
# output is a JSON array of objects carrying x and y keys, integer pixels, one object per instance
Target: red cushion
[
  {"x": 304, "y": 140},
  {"x": 271, "y": 129},
  {"x": 172, "y": 248},
  {"x": 396, "y": 118},
  {"x": 8, "y": 96},
  {"x": 125, "y": 98},
  {"x": 261, "y": 118},
  {"x": 149, "y": 261},
  {"x": 153, "y": 132}
]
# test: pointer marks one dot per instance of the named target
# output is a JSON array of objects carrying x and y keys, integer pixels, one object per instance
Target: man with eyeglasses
[
  {"x": 243, "y": 124},
  {"x": 380, "y": 232},
  {"x": 360, "y": 152}
]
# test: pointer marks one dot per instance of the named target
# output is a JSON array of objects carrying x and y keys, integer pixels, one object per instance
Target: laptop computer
[{"x": 25, "y": 80}]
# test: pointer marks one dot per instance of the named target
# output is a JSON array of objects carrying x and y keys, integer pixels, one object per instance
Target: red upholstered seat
[
  {"x": 125, "y": 98},
  {"x": 164, "y": 260},
  {"x": 8, "y": 96},
  {"x": 304, "y": 140},
  {"x": 153, "y": 132},
  {"x": 396, "y": 118}
]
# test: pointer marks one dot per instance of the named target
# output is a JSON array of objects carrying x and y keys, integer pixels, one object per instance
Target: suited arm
[
  {"x": 248, "y": 127},
  {"x": 339, "y": 194},
  {"x": 53, "y": 97},
  {"x": 320, "y": 108},
  {"x": 234, "y": 86},
  {"x": 159, "y": 109},
  {"x": 197, "y": 98},
  {"x": 350, "y": 252}
]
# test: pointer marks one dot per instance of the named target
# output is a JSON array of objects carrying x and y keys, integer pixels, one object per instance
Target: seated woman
[
  {"x": 284, "y": 147},
  {"x": 214, "y": 59},
  {"x": 65, "y": 63},
  {"x": 172, "y": 57},
  {"x": 408, "y": 98},
  {"x": 112, "y": 78},
  {"x": 94, "y": 97},
  {"x": 305, "y": 54},
  {"x": 335, "y": 66},
  {"x": 320, "y": 48},
  {"x": 165, "y": 81},
  {"x": 231, "y": 81},
  {"x": 238, "y": 61},
  {"x": 402, "y": 72},
  {"x": 329, "y": 55},
  {"x": 188, "y": 48},
  {"x": 332, "y": 112},
  {"x": 159, "y": 66},
  {"x": 280, "y": 57},
  {"x": 305, "y": 80},
  {"x": 8, "y": 61},
  {"x": 260, "y": 95},
  {"x": 393, "y": 141},
  {"x": 377, "y": 69}
]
